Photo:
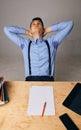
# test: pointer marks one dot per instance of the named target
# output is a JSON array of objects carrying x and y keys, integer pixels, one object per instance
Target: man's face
[{"x": 37, "y": 27}]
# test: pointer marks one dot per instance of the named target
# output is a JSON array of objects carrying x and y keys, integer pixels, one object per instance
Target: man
[{"x": 39, "y": 53}]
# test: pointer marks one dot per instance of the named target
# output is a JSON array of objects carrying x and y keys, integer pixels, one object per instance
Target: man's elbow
[
  {"x": 71, "y": 24},
  {"x": 5, "y": 29}
]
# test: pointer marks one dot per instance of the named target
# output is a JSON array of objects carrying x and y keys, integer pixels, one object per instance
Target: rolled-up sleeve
[
  {"x": 15, "y": 34},
  {"x": 63, "y": 29}
]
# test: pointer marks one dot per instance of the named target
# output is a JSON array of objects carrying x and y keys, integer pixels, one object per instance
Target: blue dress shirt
[{"x": 39, "y": 51}]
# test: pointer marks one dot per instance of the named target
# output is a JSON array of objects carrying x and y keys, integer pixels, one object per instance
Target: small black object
[
  {"x": 3, "y": 92},
  {"x": 40, "y": 78},
  {"x": 68, "y": 122},
  {"x": 73, "y": 100}
]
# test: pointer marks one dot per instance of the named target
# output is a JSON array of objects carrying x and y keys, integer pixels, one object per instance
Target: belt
[{"x": 39, "y": 78}]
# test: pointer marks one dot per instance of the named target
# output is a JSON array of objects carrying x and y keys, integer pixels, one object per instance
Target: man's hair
[{"x": 37, "y": 18}]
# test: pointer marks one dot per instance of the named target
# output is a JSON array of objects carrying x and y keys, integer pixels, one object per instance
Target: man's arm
[
  {"x": 62, "y": 28},
  {"x": 14, "y": 34}
]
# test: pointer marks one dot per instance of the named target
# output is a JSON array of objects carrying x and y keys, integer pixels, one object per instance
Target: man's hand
[
  {"x": 46, "y": 31},
  {"x": 28, "y": 33}
]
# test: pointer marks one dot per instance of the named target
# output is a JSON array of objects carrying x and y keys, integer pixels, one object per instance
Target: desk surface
[{"x": 13, "y": 114}]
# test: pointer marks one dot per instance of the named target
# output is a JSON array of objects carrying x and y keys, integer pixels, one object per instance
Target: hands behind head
[{"x": 28, "y": 32}]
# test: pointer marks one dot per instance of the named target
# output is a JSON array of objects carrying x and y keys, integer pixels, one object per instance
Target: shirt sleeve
[
  {"x": 63, "y": 29},
  {"x": 14, "y": 34}
]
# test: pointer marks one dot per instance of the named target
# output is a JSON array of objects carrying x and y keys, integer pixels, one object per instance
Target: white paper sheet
[{"x": 38, "y": 96}]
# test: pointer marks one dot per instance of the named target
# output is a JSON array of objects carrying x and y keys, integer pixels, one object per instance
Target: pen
[{"x": 44, "y": 107}]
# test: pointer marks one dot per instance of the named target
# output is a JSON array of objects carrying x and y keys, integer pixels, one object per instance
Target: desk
[{"x": 13, "y": 114}]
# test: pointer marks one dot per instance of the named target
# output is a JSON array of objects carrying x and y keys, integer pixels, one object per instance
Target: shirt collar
[{"x": 36, "y": 40}]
